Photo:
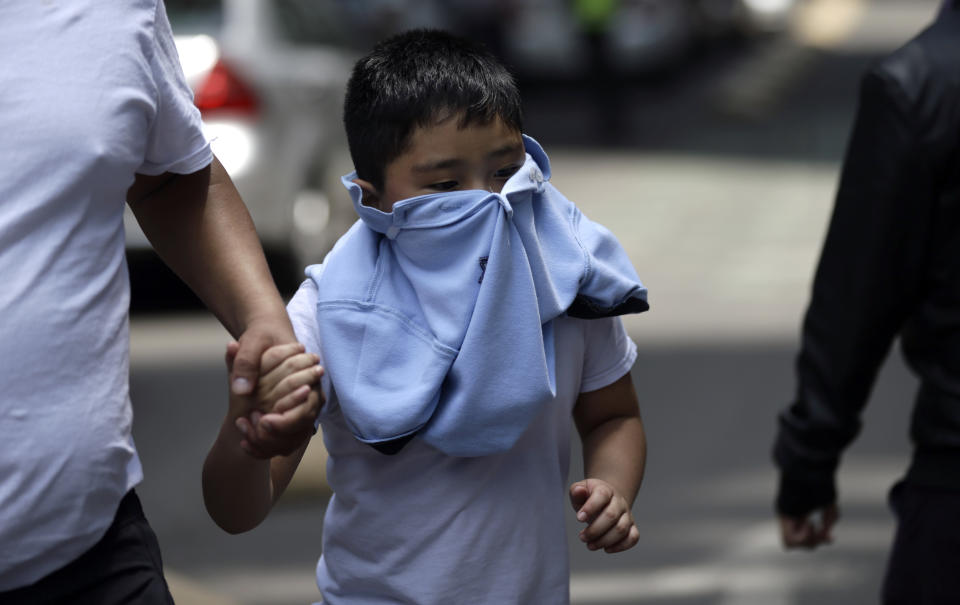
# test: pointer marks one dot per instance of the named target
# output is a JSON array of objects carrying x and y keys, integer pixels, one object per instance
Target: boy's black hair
[{"x": 413, "y": 79}]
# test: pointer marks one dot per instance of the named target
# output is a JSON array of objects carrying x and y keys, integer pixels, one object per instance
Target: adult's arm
[
  {"x": 201, "y": 229},
  {"x": 866, "y": 284}
]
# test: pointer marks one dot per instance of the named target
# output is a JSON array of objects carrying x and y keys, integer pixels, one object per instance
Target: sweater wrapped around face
[{"x": 435, "y": 320}]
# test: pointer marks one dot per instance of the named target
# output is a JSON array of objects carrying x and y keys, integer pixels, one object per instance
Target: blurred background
[{"x": 707, "y": 134}]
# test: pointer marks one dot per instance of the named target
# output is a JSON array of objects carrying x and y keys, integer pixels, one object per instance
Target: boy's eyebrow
[
  {"x": 507, "y": 149},
  {"x": 439, "y": 165}
]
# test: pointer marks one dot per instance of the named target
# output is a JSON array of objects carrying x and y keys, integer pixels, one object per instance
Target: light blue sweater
[{"x": 435, "y": 319}]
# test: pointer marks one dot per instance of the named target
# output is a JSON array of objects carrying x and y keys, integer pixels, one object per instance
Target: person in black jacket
[{"x": 890, "y": 267}]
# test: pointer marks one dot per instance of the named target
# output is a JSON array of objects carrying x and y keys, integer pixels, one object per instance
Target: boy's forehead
[{"x": 451, "y": 134}]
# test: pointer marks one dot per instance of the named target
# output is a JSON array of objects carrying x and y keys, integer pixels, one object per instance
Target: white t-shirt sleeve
[
  {"x": 609, "y": 353},
  {"x": 176, "y": 141},
  {"x": 302, "y": 310}
]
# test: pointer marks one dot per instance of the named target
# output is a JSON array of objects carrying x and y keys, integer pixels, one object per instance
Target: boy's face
[{"x": 442, "y": 157}]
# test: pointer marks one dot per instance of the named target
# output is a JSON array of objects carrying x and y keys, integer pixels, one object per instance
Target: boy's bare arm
[
  {"x": 614, "y": 455},
  {"x": 239, "y": 488}
]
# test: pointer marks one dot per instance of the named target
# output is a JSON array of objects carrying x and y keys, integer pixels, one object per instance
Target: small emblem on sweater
[{"x": 483, "y": 268}]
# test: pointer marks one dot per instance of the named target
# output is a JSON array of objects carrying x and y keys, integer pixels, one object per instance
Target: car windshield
[{"x": 189, "y": 17}]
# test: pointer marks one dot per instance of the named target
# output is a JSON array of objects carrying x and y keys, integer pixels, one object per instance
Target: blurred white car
[{"x": 268, "y": 77}]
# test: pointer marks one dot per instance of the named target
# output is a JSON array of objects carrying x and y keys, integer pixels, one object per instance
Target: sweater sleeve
[{"x": 865, "y": 287}]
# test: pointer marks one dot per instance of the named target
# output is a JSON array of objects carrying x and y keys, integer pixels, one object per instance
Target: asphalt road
[
  {"x": 704, "y": 510},
  {"x": 719, "y": 185}
]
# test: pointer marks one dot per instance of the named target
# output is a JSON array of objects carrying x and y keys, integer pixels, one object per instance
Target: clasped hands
[{"x": 275, "y": 412}]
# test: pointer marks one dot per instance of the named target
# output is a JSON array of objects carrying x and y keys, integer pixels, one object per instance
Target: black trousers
[
  {"x": 924, "y": 566},
  {"x": 123, "y": 568}
]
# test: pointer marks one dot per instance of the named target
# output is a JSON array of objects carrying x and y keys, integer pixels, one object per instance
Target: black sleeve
[{"x": 865, "y": 286}]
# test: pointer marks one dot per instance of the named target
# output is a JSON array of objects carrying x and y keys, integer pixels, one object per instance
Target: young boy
[{"x": 451, "y": 324}]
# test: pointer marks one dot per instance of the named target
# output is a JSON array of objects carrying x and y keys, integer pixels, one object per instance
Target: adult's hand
[
  {"x": 259, "y": 336},
  {"x": 810, "y": 531}
]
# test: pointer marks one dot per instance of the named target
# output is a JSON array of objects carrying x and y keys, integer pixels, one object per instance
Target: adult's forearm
[
  {"x": 616, "y": 452},
  {"x": 200, "y": 227}
]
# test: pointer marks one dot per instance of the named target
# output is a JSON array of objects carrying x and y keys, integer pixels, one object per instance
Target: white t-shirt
[
  {"x": 90, "y": 94},
  {"x": 422, "y": 527}
]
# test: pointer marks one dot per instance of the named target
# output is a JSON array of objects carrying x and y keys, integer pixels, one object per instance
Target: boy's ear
[{"x": 371, "y": 197}]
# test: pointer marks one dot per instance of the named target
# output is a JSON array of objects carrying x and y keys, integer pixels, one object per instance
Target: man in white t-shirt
[
  {"x": 94, "y": 110},
  {"x": 434, "y": 128}
]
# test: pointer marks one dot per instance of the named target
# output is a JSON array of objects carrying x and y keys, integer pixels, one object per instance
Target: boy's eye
[
  {"x": 506, "y": 173},
  {"x": 443, "y": 186}
]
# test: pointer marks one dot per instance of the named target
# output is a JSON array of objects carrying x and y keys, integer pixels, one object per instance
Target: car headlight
[{"x": 233, "y": 144}]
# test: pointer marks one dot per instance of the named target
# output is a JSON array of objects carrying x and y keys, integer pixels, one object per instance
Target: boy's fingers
[
  {"x": 282, "y": 434},
  {"x": 578, "y": 495},
  {"x": 289, "y": 401},
  {"x": 272, "y": 386},
  {"x": 262, "y": 443},
  {"x": 629, "y": 541},
  {"x": 245, "y": 427},
  {"x": 284, "y": 367},
  {"x": 285, "y": 405},
  {"x": 277, "y": 354},
  {"x": 231, "y": 353},
  {"x": 249, "y": 443},
  {"x": 253, "y": 450},
  {"x": 306, "y": 373},
  {"x": 600, "y": 496},
  {"x": 617, "y": 532},
  {"x": 295, "y": 421},
  {"x": 602, "y": 523}
]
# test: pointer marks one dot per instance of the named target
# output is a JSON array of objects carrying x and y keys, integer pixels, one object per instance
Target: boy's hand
[
  {"x": 609, "y": 521},
  {"x": 285, "y": 390}
]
